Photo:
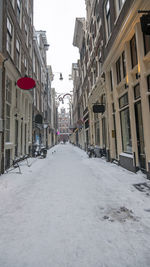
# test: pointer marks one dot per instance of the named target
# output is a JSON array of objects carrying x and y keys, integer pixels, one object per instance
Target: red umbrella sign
[{"x": 26, "y": 83}]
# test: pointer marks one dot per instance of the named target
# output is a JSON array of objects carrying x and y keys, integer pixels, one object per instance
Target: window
[
  {"x": 9, "y": 36},
  {"x": 27, "y": 5},
  {"x": 30, "y": 48},
  {"x": 97, "y": 130},
  {"x": 25, "y": 63},
  {"x": 17, "y": 54},
  {"x": 8, "y": 108},
  {"x": 7, "y": 158},
  {"x": 146, "y": 43},
  {"x": 148, "y": 82},
  {"x": 18, "y": 10},
  {"x": 107, "y": 14},
  {"x": 125, "y": 124},
  {"x": 133, "y": 49},
  {"x": 16, "y": 98},
  {"x": 12, "y": 1},
  {"x": 8, "y": 90},
  {"x": 26, "y": 33},
  {"x": 118, "y": 70},
  {"x": 137, "y": 91},
  {"x": 104, "y": 133},
  {"x": 123, "y": 101},
  {"x": 111, "y": 83},
  {"x": 123, "y": 64},
  {"x": 120, "y": 3},
  {"x": 125, "y": 130}
]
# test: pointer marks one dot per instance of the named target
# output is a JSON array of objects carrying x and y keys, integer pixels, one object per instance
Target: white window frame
[
  {"x": 19, "y": 10},
  {"x": 107, "y": 13},
  {"x": 18, "y": 52},
  {"x": 119, "y": 5},
  {"x": 9, "y": 42}
]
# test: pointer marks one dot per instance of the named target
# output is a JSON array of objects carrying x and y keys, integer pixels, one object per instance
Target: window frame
[
  {"x": 8, "y": 104},
  {"x": 118, "y": 70},
  {"x": 133, "y": 51},
  {"x": 18, "y": 53},
  {"x": 107, "y": 18},
  {"x": 129, "y": 130},
  {"x": 146, "y": 50},
  {"x": 134, "y": 88},
  {"x": 123, "y": 59},
  {"x": 9, "y": 39},
  {"x": 148, "y": 83}
]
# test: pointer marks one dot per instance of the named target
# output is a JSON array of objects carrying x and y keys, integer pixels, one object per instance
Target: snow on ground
[{"x": 69, "y": 210}]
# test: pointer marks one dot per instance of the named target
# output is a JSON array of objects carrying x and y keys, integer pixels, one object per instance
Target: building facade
[
  {"x": 63, "y": 125},
  {"x": 114, "y": 70},
  {"x": 127, "y": 84},
  {"x": 43, "y": 87},
  {"x": 17, "y": 32},
  {"x": 1, "y": 89}
]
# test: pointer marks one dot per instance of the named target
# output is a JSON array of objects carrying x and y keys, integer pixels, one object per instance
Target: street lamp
[
  {"x": 60, "y": 75},
  {"x": 61, "y": 96}
]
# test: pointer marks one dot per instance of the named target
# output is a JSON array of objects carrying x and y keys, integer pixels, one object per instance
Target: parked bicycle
[
  {"x": 39, "y": 151},
  {"x": 91, "y": 153}
]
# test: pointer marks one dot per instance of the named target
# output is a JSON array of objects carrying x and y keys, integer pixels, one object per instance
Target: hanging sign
[
  {"x": 97, "y": 108},
  {"x": 26, "y": 83}
]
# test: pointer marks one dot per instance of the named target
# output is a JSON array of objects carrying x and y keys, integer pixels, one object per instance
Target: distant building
[{"x": 63, "y": 125}]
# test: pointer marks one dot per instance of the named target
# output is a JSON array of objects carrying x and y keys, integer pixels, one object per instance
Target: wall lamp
[{"x": 137, "y": 75}]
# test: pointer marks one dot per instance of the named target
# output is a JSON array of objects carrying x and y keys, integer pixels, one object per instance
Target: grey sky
[{"x": 57, "y": 17}]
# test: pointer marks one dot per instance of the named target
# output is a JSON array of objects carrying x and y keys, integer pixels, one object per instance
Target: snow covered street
[{"x": 69, "y": 210}]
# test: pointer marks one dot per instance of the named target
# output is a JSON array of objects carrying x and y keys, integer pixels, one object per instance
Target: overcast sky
[{"x": 57, "y": 18}]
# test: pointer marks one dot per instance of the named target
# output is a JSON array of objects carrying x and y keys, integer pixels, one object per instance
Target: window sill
[{"x": 125, "y": 154}]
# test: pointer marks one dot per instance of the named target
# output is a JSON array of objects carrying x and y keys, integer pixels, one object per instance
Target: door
[
  {"x": 116, "y": 150},
  {"x": 104, "y": 135},
  {"x": 87, "y": 139},
  {"x": 25, "y": 139},
  {"x": 16, "y": 138},
  {"x": 21, "y": 137},
  {"x": 140, "y": 135}
]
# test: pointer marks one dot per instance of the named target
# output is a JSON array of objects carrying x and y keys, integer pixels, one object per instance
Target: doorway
[
  {"x": 140, "y": 136},
  {"x": 16, "y": 138}
]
